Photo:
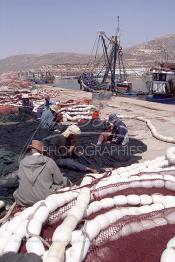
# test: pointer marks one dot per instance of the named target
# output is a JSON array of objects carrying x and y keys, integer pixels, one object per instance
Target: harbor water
[{"x": 138, "y": 84}]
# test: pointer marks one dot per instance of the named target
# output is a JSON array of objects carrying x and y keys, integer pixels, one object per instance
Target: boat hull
[
  {"x": 127, "y": 87},
  {"x": 161, "y": 99}
]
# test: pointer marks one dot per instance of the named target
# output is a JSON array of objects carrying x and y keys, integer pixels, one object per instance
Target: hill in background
[
  {"x": 150, "y": 53},
  {"x": 143, "y": 55}
]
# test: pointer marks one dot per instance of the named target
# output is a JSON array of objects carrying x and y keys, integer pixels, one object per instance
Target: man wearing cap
[
  {"x": 65, "y": 147},
  {"x": 48, "y": 118},
  {"x": 116, "y": 133},
  {"x": 27, "y": 107},
  {"x": 39, "y": 176},
  {"x": 26, "y": 102}
]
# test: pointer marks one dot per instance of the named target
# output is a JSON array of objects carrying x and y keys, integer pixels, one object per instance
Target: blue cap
[{"x": 112, "y": 118}]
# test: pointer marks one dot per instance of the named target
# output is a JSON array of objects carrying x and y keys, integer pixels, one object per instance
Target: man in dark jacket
[
  {"x": 47, "y": 102},
  {"x": 116, "y": 132},
  {"x": 65, "y": 148},
  {"x": 39, "y": 176}
]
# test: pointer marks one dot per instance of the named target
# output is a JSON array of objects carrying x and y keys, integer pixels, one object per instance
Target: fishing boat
[
  {"x": 162, "y": 84},
  {"x": 107, "y": 71}
]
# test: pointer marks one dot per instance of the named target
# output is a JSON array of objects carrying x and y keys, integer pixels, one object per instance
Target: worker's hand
[
  {"x": 92, "y": 144},
  {"x": 79, "y": 153}
]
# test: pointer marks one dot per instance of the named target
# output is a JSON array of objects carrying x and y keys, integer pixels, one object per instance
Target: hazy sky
[{"x": 42, "y": 26}]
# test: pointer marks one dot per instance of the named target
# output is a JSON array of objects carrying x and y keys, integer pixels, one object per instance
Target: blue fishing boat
[
  {"x": 161, "y": 99},
  {"x": 162, "y": 84}
]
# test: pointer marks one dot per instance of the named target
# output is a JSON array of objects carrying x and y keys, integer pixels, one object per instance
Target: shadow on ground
[{"x": 15, "y": 137}]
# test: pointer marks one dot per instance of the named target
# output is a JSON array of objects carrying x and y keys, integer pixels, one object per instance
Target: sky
[{"x": 46, "y": 26}]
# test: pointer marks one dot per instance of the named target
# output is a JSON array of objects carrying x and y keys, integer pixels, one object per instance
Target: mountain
[
  {"x": 150, "y": 53},
  {"x": 143, "y": 55},
  {"x": 30, "y": 61}
]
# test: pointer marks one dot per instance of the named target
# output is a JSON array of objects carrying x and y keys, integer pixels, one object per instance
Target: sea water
[{"x": 138, "y": 84}]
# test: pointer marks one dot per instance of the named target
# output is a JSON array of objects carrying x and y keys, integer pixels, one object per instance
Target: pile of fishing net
[
  {"x": 99, "y": 157},
  {"x": 127, "y": 214},
  {"x": 12, "y": 80},
  {"x": 79, "y": 112},
  {"x": 15, "y": 138},
  {"x": 8, "y": 179}
]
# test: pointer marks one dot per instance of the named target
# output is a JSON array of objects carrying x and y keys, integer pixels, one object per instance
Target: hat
[
  {"x": 72, "y": 130},
  {"x": 54, "y": 108},
  {"x": 112, "y": 118},
  {"x": 38, "y": 145}
]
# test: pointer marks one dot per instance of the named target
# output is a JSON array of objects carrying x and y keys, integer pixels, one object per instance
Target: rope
[
  {"x": 99, "y": 60},
  {"x": 34, "y": 235},
  {"x": 152, "y": 129},
  {"x": 85, "y": 235},
  {"x": 107, "y": 174},
  {"x": 5, "y": 218},
  {"x": 28, "y": 142},
  {"x": 91, "y": 53}
]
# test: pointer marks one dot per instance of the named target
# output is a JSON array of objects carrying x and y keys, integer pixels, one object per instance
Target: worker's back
[
  {"x": 47, "y": 120},
  {"x": 39, "y": 176}
]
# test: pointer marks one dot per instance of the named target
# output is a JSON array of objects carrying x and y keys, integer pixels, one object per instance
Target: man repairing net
[
  {"x": 64, "y": 147},
  {"x": 116, "y": 132},
  {"x": 39, "y": 176},
  {"x": 49, "y": 117}
]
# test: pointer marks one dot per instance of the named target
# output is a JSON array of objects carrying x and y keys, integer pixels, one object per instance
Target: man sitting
[
  {"x": 39, "y": 176},
  {"x": 65, "y": 147},
  {"x": 116, "y": 132},
  {"x": 48, "y": 118},
  {"x": 25, "y": 111}
]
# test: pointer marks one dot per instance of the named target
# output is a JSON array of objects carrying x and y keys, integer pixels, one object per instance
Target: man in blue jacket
[
  {"x": 48, "y": 118},
  {"x": 116, "y": 132}
]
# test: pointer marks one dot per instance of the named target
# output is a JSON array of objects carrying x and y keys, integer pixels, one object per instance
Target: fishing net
[
  {"x": 14, "y": 138},
  {"x": 129, "y": 238},
  {"x": 116, "y": 244},
  {"x": 139, "y": 237},
  {"x": 143, "y": 246},
  {"x": 106, "y": 192}
]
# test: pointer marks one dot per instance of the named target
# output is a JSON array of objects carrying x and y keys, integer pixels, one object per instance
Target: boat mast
[
  {"x": 107, "y": 58},
  {"x": 113, "y": 56},
  {"x": 115, "y": 53},
  {"x": 119, "y": 49}
]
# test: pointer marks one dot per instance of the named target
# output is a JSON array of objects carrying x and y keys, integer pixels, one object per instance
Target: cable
[
  {"x": 4, "y": 219},
  {"x": 27, "y": 143},
  {"x": 34, "y": 235}
]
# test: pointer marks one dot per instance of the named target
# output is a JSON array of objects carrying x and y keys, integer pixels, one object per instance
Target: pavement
[{"x": 161, "y": 116}]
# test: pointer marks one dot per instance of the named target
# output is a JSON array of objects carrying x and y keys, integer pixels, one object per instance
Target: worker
[
  {"x": 39, "y": 176},
  {"x": 47, "y": 102},
  {"x": 116, "y": 132},
  {"x": 26, "y": 102},
  {"x": 65, "y": 148},
  {"x": 48, "y": 118},
  {"x": 25, "y": 111}
]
